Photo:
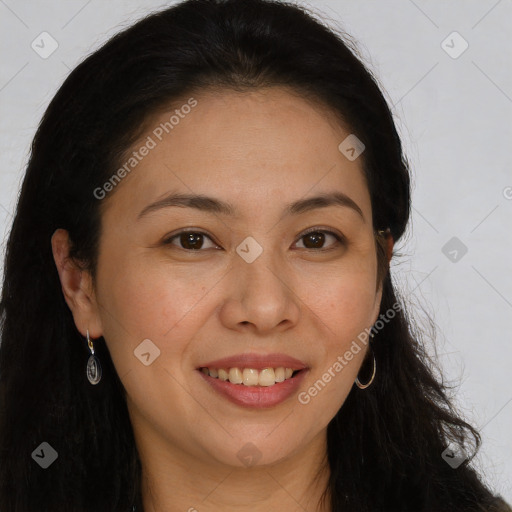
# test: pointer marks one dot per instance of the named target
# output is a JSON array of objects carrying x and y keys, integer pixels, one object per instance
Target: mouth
[{"x": 255, "y": 381}]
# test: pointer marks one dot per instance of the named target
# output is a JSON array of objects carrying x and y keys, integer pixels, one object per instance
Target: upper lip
[{"x": 256, "y": 361}]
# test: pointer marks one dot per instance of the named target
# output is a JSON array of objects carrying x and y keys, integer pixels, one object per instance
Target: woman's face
[{"x": 250, "y": 284}]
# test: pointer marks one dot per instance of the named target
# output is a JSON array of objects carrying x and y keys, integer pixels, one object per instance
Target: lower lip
[{"x": 257, "y": 397}]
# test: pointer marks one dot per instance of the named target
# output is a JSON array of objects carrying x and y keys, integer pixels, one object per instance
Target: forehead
[{"x": 251, "y": 147}]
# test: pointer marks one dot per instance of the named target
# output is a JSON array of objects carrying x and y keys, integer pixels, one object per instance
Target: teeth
[
  {"x": 280, "y": 374},
  {"x": 235, "y": 376},
  {"x": 267, "y": 377},
  {"x": 250, "y": 376}
]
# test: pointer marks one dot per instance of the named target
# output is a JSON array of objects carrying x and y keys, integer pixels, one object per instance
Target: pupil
[
  {"x": 317, "y": 238},
  {"x": 191, "y": 239}
]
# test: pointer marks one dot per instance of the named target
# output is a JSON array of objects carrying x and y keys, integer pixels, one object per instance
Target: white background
[{"x": 454, "y": 115}]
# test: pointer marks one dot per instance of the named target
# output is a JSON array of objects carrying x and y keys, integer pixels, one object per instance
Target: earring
[
  {"x": 358, "y": 382},
  {"x": 93, "y": 364}
]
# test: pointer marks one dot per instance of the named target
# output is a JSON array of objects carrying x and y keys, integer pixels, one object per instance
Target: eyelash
[{"x": 339, "y": 238}]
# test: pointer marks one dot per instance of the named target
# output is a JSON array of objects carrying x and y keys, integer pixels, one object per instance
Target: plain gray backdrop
[{"x": 446, "y": 69}]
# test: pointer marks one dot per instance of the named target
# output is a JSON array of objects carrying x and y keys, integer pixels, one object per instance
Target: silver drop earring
[{"x": 93, "y": 364}]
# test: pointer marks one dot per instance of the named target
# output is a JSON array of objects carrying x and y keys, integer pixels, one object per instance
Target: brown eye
[
  {"x": 316, "y": 238},
  {"x": 189, "y": 240}
]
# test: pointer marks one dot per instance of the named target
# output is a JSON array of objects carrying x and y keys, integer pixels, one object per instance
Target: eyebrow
[{"x": 213, "y": 205}]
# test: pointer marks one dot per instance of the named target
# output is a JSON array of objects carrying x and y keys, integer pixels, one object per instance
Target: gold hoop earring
[
  {"x": 93, "y": 370},
  {"x": 358, "y": 382}
]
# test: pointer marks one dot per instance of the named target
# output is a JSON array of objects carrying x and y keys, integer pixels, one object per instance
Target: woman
[{"x": 197, "y": 309}]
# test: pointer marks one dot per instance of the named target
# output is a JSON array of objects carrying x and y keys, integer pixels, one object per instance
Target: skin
[{"x": 258, "y": 150}]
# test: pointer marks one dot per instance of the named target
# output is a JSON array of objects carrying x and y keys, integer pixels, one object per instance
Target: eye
[
  {"x": 315, "y": 239},
  {"x": 189, "y": 240}
]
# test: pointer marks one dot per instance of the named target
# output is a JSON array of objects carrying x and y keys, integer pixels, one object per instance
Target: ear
[{"x": 77, "y": 287}]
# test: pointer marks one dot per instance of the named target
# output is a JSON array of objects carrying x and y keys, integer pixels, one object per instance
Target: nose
[{"x": 261, "y": 296}]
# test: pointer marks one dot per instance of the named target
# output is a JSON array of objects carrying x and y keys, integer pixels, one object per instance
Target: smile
[{"x": 251, "y": 376}]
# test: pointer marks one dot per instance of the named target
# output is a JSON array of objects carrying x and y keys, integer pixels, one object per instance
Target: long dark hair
[{"x": 384, "y": 444}]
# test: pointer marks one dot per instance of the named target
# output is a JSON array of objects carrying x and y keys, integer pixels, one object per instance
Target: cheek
[
  {"x": 154, "y": 301},
  {"x": 345, "y": 303},
  {"x": 344, "y": 311},
  {"x": 344, "y": 298}
]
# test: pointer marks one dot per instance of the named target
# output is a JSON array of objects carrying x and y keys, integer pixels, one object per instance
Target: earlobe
[{"x": 76, "y": 285}]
